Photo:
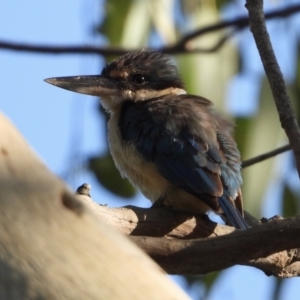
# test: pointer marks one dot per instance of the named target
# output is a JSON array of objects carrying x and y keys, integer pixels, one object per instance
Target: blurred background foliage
[{"x": 231, "y": 77}]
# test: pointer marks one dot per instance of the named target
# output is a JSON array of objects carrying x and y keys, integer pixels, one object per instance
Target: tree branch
[
  {"x": 42, "y": 221},
  {"x": 286, "y": 114},
  {"x": 244, "y": 247},
  {"x": 182, "y": 46},
  {"x": 238, "y": 24},
  {"x": 53, "y": 247},
  {"x": 186, "y": 244},
  {"x": 262, "y": 157}
]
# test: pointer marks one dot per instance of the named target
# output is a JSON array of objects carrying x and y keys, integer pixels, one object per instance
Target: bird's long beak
[{"x": 90, "y": 85}]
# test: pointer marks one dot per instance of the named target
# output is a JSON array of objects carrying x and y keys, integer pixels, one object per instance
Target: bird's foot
[{"x": 274, "y": 218}]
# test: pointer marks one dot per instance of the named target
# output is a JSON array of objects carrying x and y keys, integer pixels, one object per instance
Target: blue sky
[
  {"x": 59, "y": 125},
  {"x": 62, "y": 126}
]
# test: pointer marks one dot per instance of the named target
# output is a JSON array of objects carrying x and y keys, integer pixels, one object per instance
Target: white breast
[{"x": 131, "y": 164}]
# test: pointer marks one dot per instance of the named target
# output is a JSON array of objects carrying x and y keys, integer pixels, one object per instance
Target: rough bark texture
[
  {"x": 185, "y": 244},
  {"x": 52, "y": 246}
]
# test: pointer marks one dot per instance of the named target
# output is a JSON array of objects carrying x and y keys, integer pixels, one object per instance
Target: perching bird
[{"x": 173, "y": 146}]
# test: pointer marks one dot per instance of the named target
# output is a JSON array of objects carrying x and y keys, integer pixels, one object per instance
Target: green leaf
[
  {"x": 289, "y": 202},
  {"x": 108, "y": 176},
  {"x": 115, "y": 17},
  {"x": 257, "y": 135},
  {"x": 206, "y": 281}
]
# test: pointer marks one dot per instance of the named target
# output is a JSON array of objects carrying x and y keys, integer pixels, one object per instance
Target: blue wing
[{"x": 185, "y": 159}]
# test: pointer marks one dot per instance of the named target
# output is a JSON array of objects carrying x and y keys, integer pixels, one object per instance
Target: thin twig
[
  {"x": 63, "y": 49},
  {"x": 238, "y": 23},
  {"x": 103, "y": 50},
  {"x": 286, "y": 114},
  {"x": 213, "y": 48},
  {"x": 262, "y": 157},
  {"x": 182, "y": 46}
]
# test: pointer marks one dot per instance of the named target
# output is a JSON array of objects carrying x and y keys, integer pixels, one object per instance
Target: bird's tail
[{"x": 233, "y": 215}]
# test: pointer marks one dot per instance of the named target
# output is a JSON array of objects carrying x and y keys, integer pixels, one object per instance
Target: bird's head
[{"x": 135, "y": 76}]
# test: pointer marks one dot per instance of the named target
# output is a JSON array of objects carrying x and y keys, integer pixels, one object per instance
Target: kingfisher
[{"x": 173, "y": 146}]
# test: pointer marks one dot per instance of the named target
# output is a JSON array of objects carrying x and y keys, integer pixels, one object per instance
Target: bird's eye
[{"x": 139, "y": 79}]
